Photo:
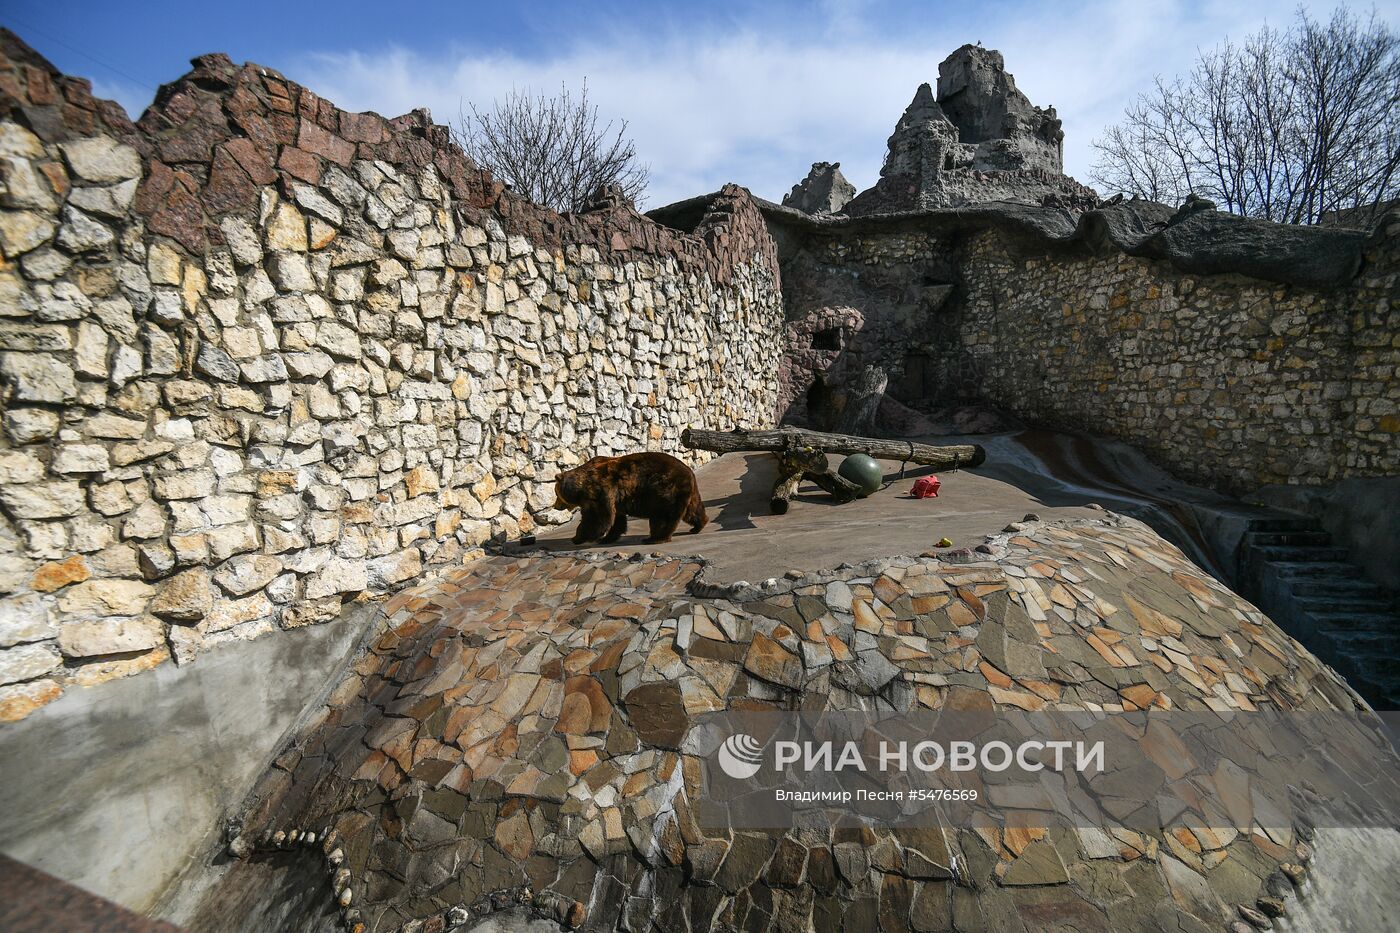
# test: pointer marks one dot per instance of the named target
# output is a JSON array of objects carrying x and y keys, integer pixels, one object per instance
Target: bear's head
[{"x": 568, "y": 491}]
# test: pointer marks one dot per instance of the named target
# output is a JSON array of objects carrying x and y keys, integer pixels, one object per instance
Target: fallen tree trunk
[{"x": 781, "y": 439}]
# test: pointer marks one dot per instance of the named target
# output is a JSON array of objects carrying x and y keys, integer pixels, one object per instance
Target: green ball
[{"x": 864, "y": 472}]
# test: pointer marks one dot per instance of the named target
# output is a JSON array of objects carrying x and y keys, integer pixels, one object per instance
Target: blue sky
[{"x": 751, "y": 92}]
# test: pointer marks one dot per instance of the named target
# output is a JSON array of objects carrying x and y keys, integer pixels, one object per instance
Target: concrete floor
[
  {"x": 745, "y": 542},
  {"x": 1056, "y": 476}
]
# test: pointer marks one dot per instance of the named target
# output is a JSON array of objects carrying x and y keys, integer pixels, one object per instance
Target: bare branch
[
  {"x": 552, "y": 150},
  {"x": 1288, "y": 126}
]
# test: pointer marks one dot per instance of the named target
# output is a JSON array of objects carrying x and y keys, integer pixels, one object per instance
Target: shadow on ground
[{"x": 1055, "y": 476}]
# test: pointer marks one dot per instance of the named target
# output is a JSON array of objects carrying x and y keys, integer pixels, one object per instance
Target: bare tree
[
  {"x": 1289, "y": 126},
  {"x": 552, "y": 150}
]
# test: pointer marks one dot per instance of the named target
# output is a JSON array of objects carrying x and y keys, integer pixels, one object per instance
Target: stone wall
[
  {"x": 1228, "y": 379},
  {"x": 261, "y": 357},
  {"x": 1233, "y": 381}
]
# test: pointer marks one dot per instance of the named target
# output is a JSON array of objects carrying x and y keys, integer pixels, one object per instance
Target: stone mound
[{"x": 519, "y": 739}]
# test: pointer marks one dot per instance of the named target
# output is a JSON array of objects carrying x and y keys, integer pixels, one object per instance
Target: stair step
[
  {"x": 1374, "y": 684},
  {"x": 1340, "y": 590},
  {"x": 1379, "y": 623},
  {"x": 1367, "y": 657},
  {"x": 1282, "y": 524},
  {"x": 1342, "y": 602},
  {"x": 1302, "y": 554},
  {"x": 1290, "y": 567},
  {"x": 1290, "y": 570},
  {"x": 1287, "y": 538}
]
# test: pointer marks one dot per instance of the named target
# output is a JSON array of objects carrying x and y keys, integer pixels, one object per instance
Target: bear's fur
[{"x": 607, "y": 490}]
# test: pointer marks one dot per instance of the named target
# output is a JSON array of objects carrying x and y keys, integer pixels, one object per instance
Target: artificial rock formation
[
  {"x": 1235, "y": 352},
  {"x": 824, "y": 191},
  {"x": 979, "y": 96},
  {"x": 261, "y": 356},
  {"x": 979, "y": 140}
]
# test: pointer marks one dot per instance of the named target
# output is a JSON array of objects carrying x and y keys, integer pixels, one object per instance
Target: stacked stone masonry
[
  {"x": 1237, "y": 382},
  {"x": 1226, "y": 379},
  {"x": 261, "y": 356}
]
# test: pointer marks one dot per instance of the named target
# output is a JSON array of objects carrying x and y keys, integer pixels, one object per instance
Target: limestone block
[
  {"x": 106, "y": 597},
  {"x": 25, "y": 619},
  {"x": 185, "y": 484},
  {"x": 25, "y": 662},
  {"x": 22, "y": 231},
  {"x": 101, "y": 160},
  {"x": 228, "y": 540},
  {"x": 27, "y": 425},
  {"x": 113, "y": 201},
  {"x": 246, "y": 573},
  {"x": 391, "y": 569},
  {"x": 110, "y": 636},
  {"x": 228, "y": 613},
  {"x": 286, "y": 229},
  {"x": 24, "y": 186},
  {"x": 338, "y": 575},
  {"x": 53, "y": 499},
  {"x": 38, "y": 377},
  {"x": 291, "y": 272},
  {"x": 80, "y": 458},
  {"x": 145, "y": 522},
  {"x": 20, "y": 466},
  {"x": 83, "y": 233},
  {"x": 242, "y": 241}
]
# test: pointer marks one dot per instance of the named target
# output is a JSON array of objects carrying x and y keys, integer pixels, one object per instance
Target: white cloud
[
  {"x": 133, "y": 97},
  {"x": 759, "y": 109}
]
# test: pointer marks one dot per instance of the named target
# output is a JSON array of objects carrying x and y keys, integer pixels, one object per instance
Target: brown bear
[{"x": 654, "y": 486}]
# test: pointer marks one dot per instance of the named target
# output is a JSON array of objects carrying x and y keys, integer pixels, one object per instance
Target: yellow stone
[
  {"x": 196, "y": 284},
  {"x": 865, "y": 618},
  {"x": 485, "y": 489},
  {"x": 91, "y": 674},
  {"x": 322, "y": 234},
  {"x": 447, "y": 523},
  {"x": 276, "y": 482},
  {"x": 612, "y": 823},
  {"x": 286, "y": 229},
  {"x": 420, "y": 480},
  {"x": 20, "y": 700},
  {"x": 58, "y": 574},
  {"x": 163, "y": 264}
]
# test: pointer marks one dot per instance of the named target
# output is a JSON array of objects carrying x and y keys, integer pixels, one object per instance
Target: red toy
[{"x": 925, "y": 487}]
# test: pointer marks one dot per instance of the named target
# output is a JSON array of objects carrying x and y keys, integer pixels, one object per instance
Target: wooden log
[
  {"x": 799, "y": 464},
  {"x": 780, "y": 439},
  {"x": 792, "y": 465}
]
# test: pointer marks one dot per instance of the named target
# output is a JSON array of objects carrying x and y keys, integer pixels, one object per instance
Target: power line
[{"x": 77, "y": 51}]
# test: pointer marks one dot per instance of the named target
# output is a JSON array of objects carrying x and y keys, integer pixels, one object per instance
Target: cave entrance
[{"x": 821, "y": 405}]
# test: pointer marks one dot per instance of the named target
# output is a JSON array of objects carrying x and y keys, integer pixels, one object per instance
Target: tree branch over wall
[
  {"x": 552, "y": 150},
  {"x": 1289, "y": 126}
]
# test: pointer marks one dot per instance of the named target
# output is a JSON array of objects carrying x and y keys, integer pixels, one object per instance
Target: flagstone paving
[{"x": 515, "y": 742}]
